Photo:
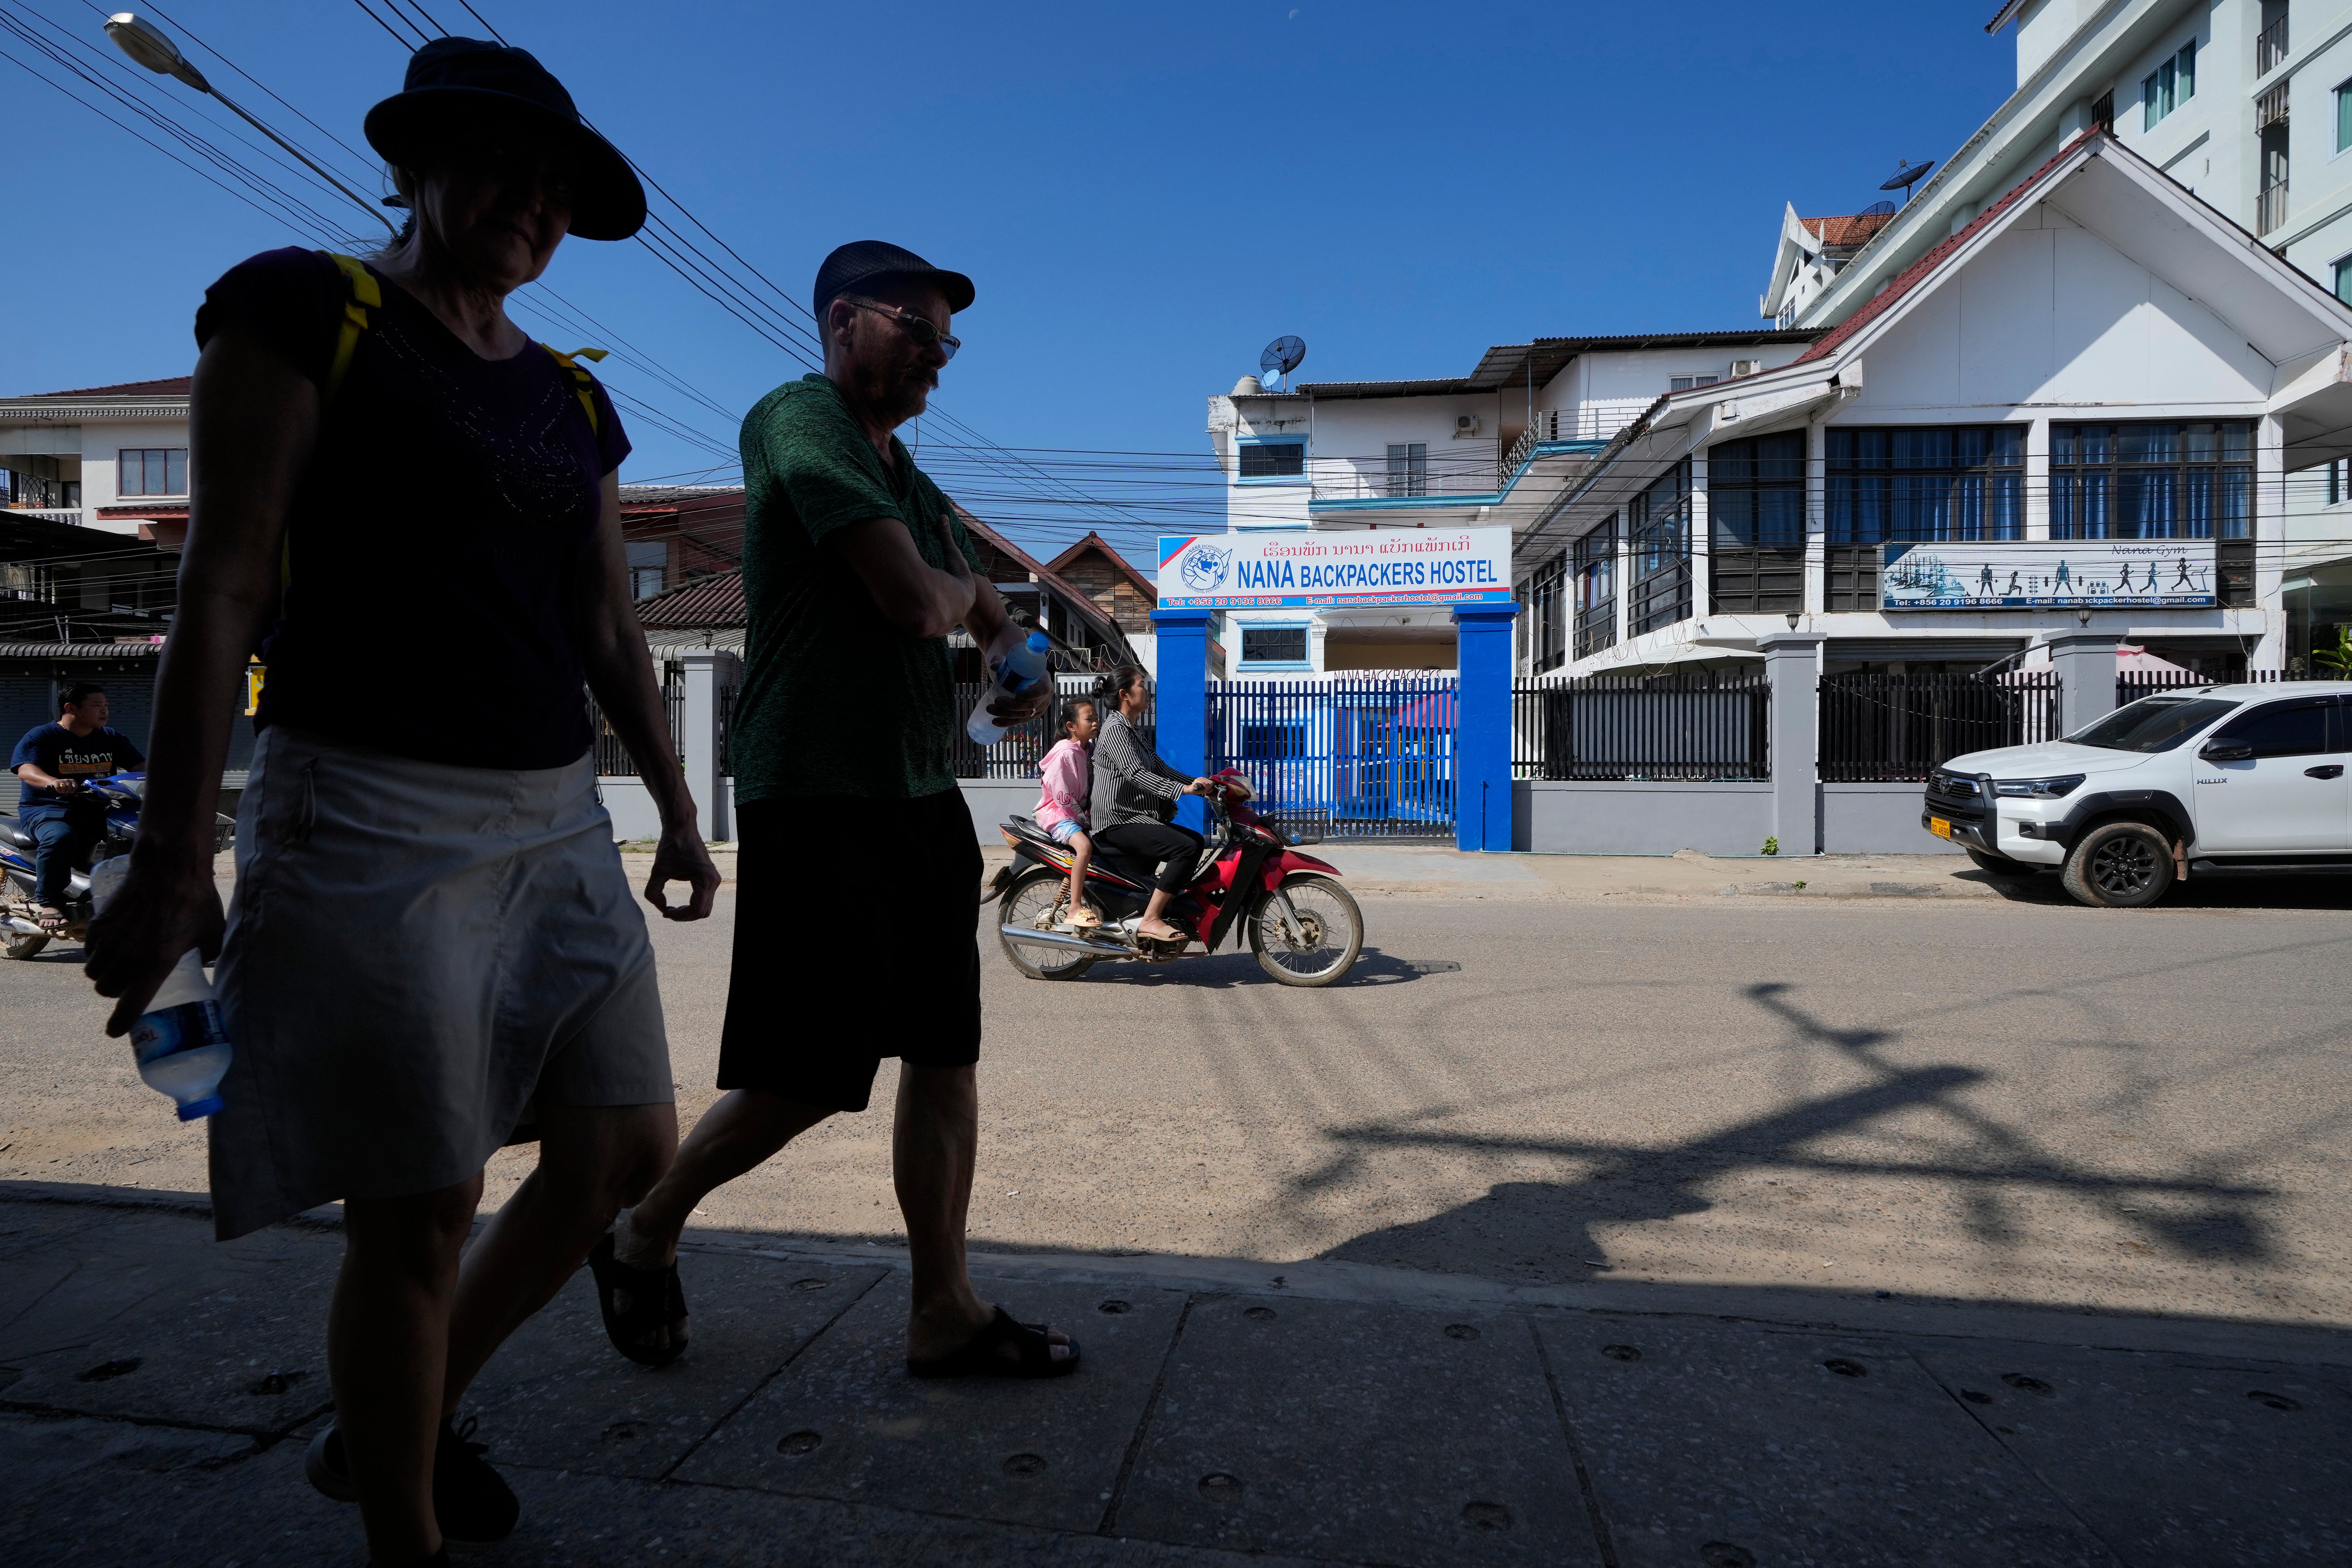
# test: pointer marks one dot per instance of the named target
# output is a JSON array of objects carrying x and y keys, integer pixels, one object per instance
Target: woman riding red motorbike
[{"x": 1135, "y": 796}]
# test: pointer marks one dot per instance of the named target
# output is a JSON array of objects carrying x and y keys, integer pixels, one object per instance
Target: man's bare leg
[
  {"x": 934, "y": 1139},
  {"x": 591, "y": 1161},
  {"x": 739, "y": 1133},
  {"x": 387, "y": 1346}
]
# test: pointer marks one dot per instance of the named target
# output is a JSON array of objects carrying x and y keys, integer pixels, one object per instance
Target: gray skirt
[{"x": 417, "y": 952}]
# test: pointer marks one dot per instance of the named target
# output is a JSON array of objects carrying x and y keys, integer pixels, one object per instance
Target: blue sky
[{"x": 1145, "y": 196}]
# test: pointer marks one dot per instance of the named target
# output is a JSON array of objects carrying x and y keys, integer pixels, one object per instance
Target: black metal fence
[
  {"x": 1679, "y": 727},
  {"x": 613, "y": 759},
  {"x": 1886, "y": 729},
  {"x": 1024, "y": 747},
  {"x": 2132, "y": 688}
]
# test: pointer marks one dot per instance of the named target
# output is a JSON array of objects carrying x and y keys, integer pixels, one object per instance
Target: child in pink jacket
[{"x": 1067, "y": 771}]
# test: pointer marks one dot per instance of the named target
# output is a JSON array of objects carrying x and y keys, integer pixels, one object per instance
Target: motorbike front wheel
[
  {"x": 1331, "y": 934},
  {"x": 1030, "y": 902}
]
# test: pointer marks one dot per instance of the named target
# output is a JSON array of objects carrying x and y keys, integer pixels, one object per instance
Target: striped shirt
[{"x": 1131, "y": 781}]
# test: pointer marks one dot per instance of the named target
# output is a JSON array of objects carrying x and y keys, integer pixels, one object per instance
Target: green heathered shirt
[{"x": 836, "y": 699}]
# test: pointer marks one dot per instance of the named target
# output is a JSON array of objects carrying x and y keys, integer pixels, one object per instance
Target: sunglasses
[{"x": 919, "y": 328}]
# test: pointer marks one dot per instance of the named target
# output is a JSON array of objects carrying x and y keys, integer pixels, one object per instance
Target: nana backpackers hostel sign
[
  {"x": 2092, "y": 573},
  {"x": 1335, "y": 570}
]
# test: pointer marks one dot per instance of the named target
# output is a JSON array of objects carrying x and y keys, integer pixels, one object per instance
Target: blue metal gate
[{"x": 1353, "y": 758}]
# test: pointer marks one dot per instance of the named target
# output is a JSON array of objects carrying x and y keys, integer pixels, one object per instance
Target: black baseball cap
[
  {"x": 458, "y": 88},
  {"x": 865, "y": 260}
]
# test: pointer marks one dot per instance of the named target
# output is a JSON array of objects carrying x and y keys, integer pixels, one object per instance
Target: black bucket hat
[
  {"x": 865, "y": 260},
  {"x": 454, "y": 86}
]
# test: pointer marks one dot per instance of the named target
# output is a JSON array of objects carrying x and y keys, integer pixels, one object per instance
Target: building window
[
  {"x": 1596, "y": 589},
  {"x": 1658, "y": 526},
  {"x": 1274, "y": 645},
  {"x": 2169, "y": 86},
  {"x": 1756, "y": 490},
  {"x": 2340, "y": 280},
  {"x": 1273, "y": 459},
  {"x": 152, "y": 472},
  {"x": 1409, "y": 468},
  {"x": 1547, "y": 614},
  {"x": 1685, "y": 382},
  {"x": 2343, "y": 115},
  {"x": 1931, "y": 484},
  {"x": 2152, "y": 480},
  {"x": 648, "y": 568}
]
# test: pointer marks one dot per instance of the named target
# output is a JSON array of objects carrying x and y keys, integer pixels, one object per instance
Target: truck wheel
[
  {"x": 2120, "y": 866},
  {"x": 2000, "y": 865}
]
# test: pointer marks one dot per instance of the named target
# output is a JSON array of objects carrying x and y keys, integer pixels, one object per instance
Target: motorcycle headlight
[{"x": 2039, "y": 789}]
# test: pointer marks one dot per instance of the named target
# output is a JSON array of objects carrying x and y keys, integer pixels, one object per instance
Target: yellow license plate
[{"x": 1939, "y": 827}]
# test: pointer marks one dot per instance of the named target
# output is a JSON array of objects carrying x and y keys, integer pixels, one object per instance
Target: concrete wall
[
  {"x": 1877, "y": 819},
  {"x": 631, "y": 807},
  {"x": 994, "y": 800},
  {"x": 991, "y": 801},
  {"x": 1640, "y": 817}
]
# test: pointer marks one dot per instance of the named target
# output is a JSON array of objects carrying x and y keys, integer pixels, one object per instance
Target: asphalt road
[{"x": 1973, "y": 1101}]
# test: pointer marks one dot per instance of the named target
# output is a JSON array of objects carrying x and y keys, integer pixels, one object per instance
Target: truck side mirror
[{"x": 2227, "y": 751}]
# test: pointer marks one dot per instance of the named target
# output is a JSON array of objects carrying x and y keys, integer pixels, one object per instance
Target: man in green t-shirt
[{"x": 855, "y": 570}]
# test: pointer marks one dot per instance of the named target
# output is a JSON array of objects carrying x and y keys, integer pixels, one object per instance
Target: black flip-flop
[
  {"x": 656, "y": 1300},
  {"x": 979, "y": 1357}
]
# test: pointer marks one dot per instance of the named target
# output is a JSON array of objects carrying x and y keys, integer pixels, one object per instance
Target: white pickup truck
[{"x": 2198, "y": 781}]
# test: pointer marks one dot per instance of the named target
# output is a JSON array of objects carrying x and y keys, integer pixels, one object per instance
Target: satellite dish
[
  {"x": 1908, "y": 175},
  {"x": 1878, "y": 209},
  {"x": 1282, "y": 356}
]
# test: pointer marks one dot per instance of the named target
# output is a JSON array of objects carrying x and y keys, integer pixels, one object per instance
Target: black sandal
[
  {"x": 979, "y": 1357},
  {"x": 656, "y": 1300}
]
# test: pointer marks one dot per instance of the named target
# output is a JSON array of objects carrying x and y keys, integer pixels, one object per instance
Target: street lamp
[
  {"x": 1792, "y": 617},
  {"x": 148, "y": 43}
]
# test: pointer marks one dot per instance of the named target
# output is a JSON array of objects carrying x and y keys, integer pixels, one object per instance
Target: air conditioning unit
[
  {"x": 1746, "y": 366},
  {"x": 1466, "y": 425}
]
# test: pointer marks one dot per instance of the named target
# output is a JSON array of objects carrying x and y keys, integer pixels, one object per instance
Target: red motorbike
[{"x": 1304, "y": 927}]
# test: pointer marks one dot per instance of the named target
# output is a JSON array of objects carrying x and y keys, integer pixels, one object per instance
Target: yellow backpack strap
[
  {"x": 579, "y": 374},
  {"x": 361, "y": 296}
]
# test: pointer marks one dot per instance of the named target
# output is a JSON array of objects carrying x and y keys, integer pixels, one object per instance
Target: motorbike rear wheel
[
  {"x": 1030, "y": 902},
  {"x": 1331, "y": 937},
  {"x": 22, "y": 944}
]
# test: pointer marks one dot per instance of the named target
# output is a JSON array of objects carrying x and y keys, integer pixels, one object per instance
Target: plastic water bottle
[
  {"x": 1023, "y": 669},
  {"x": 181, "y": 1046}
]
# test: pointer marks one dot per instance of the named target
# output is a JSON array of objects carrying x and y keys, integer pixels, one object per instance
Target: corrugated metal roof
[
  {"x": 1510, "y": 364},
  {"x": 79, "y": 649},
  {"x": 170, "y": 386},
  {"x": 670, "y": 495}
]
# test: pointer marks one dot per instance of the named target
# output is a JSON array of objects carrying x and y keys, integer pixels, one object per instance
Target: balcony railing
[
  {"x": 47, "y": 513},
  {"x": 2270, "y": 209},
  {"x": 2270, "y": 47},
  {"x": 1376, "y": 478},
  {"x": 2270, "y": 109}
]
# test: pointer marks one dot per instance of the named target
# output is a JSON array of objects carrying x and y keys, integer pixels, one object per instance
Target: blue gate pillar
[
  {"x": 1180, "y": 701},
  {"x": 1482, "y": 734}
]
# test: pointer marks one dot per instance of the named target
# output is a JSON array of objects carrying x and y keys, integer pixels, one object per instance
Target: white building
[
  {"x": 110, "y": 457},
  {"x": 1495, "y": 448},
  {"x": 2097, "y": 370}
]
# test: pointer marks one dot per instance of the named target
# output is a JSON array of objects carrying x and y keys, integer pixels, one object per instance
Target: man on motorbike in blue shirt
[{"x": 55, "y": 805}]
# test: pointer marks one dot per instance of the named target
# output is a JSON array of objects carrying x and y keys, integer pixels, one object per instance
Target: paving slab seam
[
  {"x": 266, "y": 1437},
  {"x": 897, "y": 1510},
  {"x": 2020, "y": 1460},
  {"x": 1601, "y": 1541},
  {"x": 773, "y": 1372},
  {"x": 1143, "y": 1422}
]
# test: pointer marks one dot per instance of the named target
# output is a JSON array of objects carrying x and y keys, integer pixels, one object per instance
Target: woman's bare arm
[
  {"x": 253, "y": 421},
  {"x": 621, "y": 673}
]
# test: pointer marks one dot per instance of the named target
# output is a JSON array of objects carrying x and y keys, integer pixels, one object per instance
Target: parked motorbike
[
  {"x": 1303, "y": 926},
  {"x": 21, "y": 935}
]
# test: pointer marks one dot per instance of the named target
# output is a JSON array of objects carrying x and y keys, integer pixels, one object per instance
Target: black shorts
[{"x": 857, "y": 937}]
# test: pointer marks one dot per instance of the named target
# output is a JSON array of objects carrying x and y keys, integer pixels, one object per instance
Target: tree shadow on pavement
[{"x": 1556, "y": 1228}]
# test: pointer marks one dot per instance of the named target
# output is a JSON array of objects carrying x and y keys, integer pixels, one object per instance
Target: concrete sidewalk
[{"x": 159, "y": 1390}]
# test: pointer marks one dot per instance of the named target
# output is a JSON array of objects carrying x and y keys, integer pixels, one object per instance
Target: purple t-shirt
[{"x": 434, "y": 546}]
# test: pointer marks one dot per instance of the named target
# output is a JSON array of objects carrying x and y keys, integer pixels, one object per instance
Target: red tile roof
[
  {"x": 1912, "y": 275},
  {"x": 1856, "y": 228},
  {"x": 713, "y": 602},
  {"x": 171, "y": 387}
]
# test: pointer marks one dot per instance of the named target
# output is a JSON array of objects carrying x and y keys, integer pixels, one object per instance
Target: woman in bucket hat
[{"x": 411, "y": 512}]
